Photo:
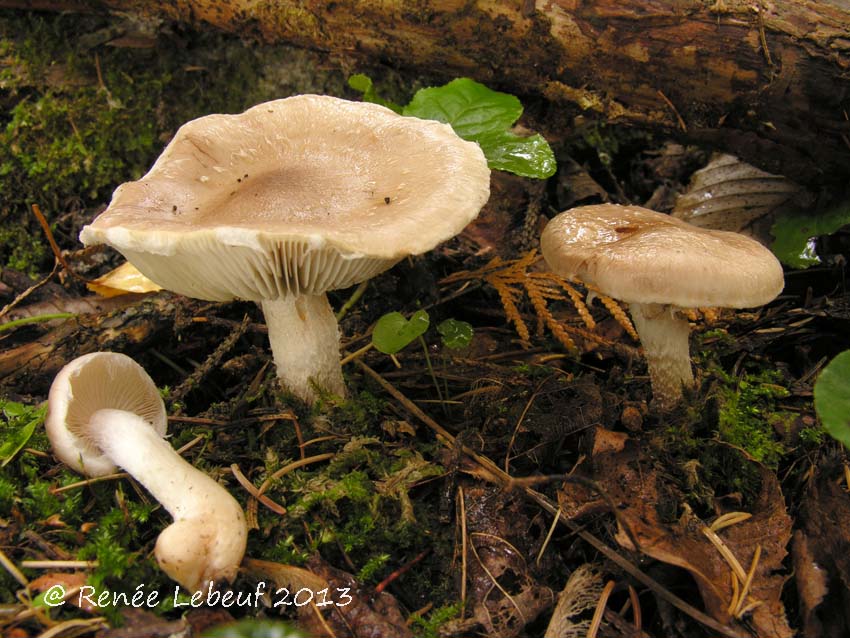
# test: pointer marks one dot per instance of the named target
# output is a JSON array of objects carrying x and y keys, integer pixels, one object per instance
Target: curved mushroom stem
[
  {"x": 664, "y": 336},
  {"x": 207, "y": 540},
  {"x": 304, "y": 336}
]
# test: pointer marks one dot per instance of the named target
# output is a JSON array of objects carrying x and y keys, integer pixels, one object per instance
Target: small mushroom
[
  {"x": 659, "y": 265},
  {"x": 291, "y": 199},
  {"x": 104, "y": 410}
]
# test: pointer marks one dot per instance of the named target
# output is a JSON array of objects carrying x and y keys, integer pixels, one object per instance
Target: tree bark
[{"x": 767, "y": 80}]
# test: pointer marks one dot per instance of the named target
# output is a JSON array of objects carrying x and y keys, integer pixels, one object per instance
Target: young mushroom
[
  {"x": 659, "y": 265},
  {"x": 288, "y": 200},
  {"x": 104, "y": 410}
]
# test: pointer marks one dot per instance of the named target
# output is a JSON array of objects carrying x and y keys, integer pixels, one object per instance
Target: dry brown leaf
[
  {"x": 580, "y": 595},
  {"x": 503, "y": 593},
  {"x": 639, "y": 492},
  {"x": 143, "y": 623},
  {"x": 575, "y": 186},
  {"x": 358, "y": 611},
  {"x": 68, "y": 581},
  {"x": 122, "y": 280},
  {"x": 728, "y": 194},
  {"x": 811, "y": 581},
  {"x": 825, "y": 520}
]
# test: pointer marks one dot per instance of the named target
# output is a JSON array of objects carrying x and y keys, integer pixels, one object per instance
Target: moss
[
  {"x": 79, "y": 121},
  {"x": 748, "y": 414},
  {"x": 430, "y": 627}
]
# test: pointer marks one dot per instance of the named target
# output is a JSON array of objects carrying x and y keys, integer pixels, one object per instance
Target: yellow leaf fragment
[{"x": 121, "y": 281}]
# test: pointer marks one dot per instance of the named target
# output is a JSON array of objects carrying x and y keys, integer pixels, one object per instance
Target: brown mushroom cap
[
  {"x": 640, "y": 256},
  {"x": 299, "y": 195}
]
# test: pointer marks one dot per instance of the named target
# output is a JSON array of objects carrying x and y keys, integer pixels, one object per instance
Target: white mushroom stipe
[
  {"x": 100, "y": 408},
  {"x": 304, "y": 338},
  {"x": 294, "y": 197},
  {"x": 664, "y": 335},
  {"x": 207, "y": 539}
]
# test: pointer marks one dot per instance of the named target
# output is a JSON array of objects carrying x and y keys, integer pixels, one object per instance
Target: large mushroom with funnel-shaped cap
[
  {"x": 288, "y": 200},
  {"x": 104, "y": 410},
  {"x": 659, "y": 265}
]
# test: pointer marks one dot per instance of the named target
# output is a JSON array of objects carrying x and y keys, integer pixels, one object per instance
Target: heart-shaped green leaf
[
  {"x": 471, "y": 108},
  {"x": 832, "y": 398},
  {"x": 393, "y": 332},
  {"x": 455, "y": 334}
]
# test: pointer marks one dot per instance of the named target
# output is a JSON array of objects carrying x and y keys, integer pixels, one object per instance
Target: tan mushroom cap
[
  {"x": 640, "y": 256},
  {"x": 298, "y": 195}
]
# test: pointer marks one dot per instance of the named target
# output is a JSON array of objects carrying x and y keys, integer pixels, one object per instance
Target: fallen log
[{"x": 767, "y": 80}]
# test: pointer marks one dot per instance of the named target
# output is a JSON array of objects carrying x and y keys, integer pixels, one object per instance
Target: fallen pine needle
[{"x": 600, "y": 609}]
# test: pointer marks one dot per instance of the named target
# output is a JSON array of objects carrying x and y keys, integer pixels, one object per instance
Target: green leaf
[
  {"x": 21, "y": 423},
  {"x": 363, "y": 83},
  {"x": 523, "y": 156},
  {"x": 481, "y": 115},
  {"x": 795, "y": 234},
  {"x": 832, "y": 398},
  {"x": 393, "y": 332},
  {"x": 471, "y": 108},
  {"x": 477, "y": 114},
  {"x": 455, "y": 334}
]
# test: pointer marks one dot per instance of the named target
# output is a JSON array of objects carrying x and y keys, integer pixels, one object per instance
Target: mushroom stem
[
  {"x": 664, "y": 336},
  {"x": 207, "y": 539},
  {"x": 304, "y": 337}
]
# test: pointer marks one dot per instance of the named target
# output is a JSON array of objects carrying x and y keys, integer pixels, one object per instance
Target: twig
[
  {"x": 353, "y": 299},
  {"x": 249, "y": 487},
  {"x": 463, "y": 548},
  {"x": 26, "y": 293},
  {"x": 675, "y": 112},
  {"x": 380, "y": 587},
  {"x": 42, "y": 220},
  {"x": 294, "y": 466},
  {"x": 59, "y": 564},
  {"x": 548, "y": 538},
  {"x": 14, "y": 572},
  {"x": 211, "y": 362}
]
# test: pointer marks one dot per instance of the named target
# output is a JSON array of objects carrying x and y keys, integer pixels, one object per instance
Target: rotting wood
[{"x": 768, "y": 81}]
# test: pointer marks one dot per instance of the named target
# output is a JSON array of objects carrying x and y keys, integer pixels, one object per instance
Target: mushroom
[
  {"x": 659, "y": 265},
  {"x": 104, "y": 410},
  {"x": 288, "y": 200}
]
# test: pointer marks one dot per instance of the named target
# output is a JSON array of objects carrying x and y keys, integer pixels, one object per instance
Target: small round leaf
[
  {"x": 455, "y": 334},
  {"x": 393, "y": 332},
  {"x": 832, "y": 398}
]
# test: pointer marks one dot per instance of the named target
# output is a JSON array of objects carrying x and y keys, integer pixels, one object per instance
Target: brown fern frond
[
  {"x": 507, "y": 295},
  {"x": 512, "y": 280},
  {"x": 617, "y": 312},
  {"x": 538, "y": 302}
]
